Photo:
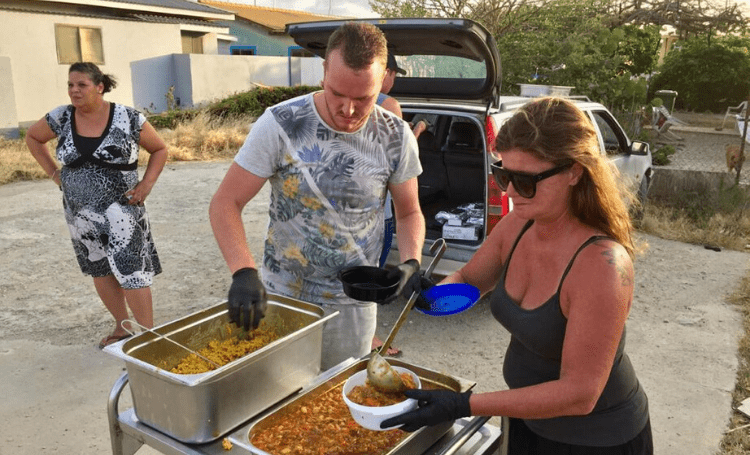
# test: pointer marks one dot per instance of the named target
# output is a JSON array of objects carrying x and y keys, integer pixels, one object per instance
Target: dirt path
[{"x": 682, "y": 335}]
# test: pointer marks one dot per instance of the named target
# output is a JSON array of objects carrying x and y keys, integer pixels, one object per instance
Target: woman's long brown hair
[{"x": 555, "y": 130}]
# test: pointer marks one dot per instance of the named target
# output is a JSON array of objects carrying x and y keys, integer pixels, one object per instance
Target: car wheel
[{"x": 641, "y": 197}]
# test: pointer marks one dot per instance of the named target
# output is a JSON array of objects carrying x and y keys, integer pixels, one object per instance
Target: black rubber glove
[
  {"x": 247, "y": 298},
  {"x": 424, "y": 285},
  {"x": 408, "y": 279},
  {"x": 435, "y": 406}
]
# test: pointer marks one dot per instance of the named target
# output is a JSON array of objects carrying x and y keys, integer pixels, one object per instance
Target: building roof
[
  {"x": 171, "y": 4},
  {"x": 188, "y": 8},
  {"x": 179, "y": 20},
  {"x": 272, "y": 19}
]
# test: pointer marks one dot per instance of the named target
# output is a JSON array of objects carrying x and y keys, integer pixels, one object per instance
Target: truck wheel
[{"x": 642, "y": 197}]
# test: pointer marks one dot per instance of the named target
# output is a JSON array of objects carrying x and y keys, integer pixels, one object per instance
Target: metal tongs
[
  {"x": 142, "y": 327},
  {"x": 379, "y": 371}
]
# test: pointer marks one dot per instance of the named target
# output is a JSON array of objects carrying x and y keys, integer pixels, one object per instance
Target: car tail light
[{"x": 498, "y": 203}]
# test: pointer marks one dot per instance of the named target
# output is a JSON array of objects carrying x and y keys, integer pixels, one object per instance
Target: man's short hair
[{"x": 361, "y": 44}]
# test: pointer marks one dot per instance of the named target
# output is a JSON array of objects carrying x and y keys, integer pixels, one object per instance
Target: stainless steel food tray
[
  {"x": 199, "y": 408},
  {"x": 466, "y": 437},
  {"x": 416, "y": 442}
]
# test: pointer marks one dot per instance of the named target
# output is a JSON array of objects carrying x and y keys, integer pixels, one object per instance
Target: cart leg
[
  {"x": 504, "y": 427},
  {"x": 122, "y": 443}
]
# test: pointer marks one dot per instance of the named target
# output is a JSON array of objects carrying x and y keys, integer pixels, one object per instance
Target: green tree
[
  {"x": 600, "y": 47},
  {"x": 557, "y": 42},
  {"x": 568, "y": 43},
  {"x": 404, "y": 8},
  {"x": 690, "y": 18},
  {"x": 707, "y": 76},
  {"x": 640, "y": 48}
]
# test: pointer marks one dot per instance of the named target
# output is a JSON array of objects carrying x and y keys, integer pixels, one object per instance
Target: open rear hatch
[
  {"x": 443, "y": 58},
  {"x": 452, "y": 77}
]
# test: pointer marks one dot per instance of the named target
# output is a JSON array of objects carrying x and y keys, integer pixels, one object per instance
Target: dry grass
[
  {"x": 730, "y": 231},
  {"x": 200, "y": 140},
  {"x": 205, "y": 140},
  {"x": 737, "y": 439},
  {"x": 18, "y": 164}
]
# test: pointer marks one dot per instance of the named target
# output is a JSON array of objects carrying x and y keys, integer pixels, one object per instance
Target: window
[
  {"x": 300, "y": 52},
  {"x": 611, "y": 137},
  {"x": 442, "y": 66},
  {"x": 243, "y": 50},
  {"x": 78, "y": 44},
  {"x": 192, "y": 43}
]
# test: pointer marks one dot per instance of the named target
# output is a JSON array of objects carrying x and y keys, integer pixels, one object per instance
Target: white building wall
[
  {"x": 218, "y": 76},
  {"x": 40, "y": 82},
  {"x": 8, "y": 119},
  {"x": 311, "y": 71},
  {"x": 146, "y": 59},
  {"x": 183, "y": 79},
  {"x": 152, "y": 79},
  {"x": 200, "y": 79}
]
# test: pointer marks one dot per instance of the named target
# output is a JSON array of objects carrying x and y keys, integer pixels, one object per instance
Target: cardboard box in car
[{"x": 461, "y": 232}]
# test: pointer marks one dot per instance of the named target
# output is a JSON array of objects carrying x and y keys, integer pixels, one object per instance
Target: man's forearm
[
  {"x": 229, "y": 231},
  {"x": 411, "y": 232}
]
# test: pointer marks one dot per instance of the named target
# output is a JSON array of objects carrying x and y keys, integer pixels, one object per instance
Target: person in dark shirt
[{"x": 560, "y": 269}]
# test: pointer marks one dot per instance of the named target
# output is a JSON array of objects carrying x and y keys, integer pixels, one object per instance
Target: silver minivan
[{"x": 452, "y": 82}]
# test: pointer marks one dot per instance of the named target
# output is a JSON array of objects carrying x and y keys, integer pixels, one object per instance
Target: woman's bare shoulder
[{"x": 606, "y": 259}]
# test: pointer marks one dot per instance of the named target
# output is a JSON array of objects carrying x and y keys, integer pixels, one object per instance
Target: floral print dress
[{"x": 109, "y": 236}]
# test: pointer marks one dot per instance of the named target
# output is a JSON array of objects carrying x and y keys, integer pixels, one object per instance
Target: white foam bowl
[{"x": 371, "y": 416}]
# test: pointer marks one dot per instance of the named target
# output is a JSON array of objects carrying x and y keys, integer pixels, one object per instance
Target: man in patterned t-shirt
[{"x": 330, "y": 157}]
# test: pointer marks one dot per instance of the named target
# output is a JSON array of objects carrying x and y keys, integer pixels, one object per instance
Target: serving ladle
[{"x": 380, "y": 373}]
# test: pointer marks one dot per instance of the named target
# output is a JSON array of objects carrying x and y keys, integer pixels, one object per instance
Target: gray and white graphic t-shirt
[{"x": 327, "y": 193}]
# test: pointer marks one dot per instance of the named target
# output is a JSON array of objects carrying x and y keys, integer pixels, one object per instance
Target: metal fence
[
  {"x": 696, "y": 148},
  {"x": 700, "y": 149}
]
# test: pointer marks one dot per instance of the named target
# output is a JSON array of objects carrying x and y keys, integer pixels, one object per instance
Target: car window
[
  {"x": 614, "y": 140},
  {"x": 441, "y": 66},
  {"x": 429, "y": 119}
]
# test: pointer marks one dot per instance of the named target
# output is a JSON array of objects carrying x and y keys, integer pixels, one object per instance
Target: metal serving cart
[
  {"x": 201, "y": 413},
  {"x": 465, "y": 437}
]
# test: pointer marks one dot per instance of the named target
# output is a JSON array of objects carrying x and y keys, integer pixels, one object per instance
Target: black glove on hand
[
  {"x": 408, "y": 279},
  {"x": 247, "y": 298},
  {"x": 435, "y": 406},
  {"x": 424, "y": 285}
]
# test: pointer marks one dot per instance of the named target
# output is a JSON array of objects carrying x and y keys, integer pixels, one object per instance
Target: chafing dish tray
[
  {"x": 198, "y": 408},
  {"x": 412, "y": 443}
]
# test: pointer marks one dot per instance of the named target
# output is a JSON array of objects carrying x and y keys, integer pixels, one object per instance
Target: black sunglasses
[{"x": 523, "y": 182}]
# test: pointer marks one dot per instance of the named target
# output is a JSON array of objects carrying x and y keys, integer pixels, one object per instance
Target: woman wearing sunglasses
[{"x": 560, "y": 272}]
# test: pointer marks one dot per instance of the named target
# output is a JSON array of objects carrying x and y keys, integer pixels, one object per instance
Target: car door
[{"x": 615, "y": 144}]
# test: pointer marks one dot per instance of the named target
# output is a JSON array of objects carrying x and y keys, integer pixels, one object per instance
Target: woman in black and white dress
[{"x": 98, "y": 145}]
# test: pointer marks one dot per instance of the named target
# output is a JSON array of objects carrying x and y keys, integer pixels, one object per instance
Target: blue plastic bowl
[{"x": 447, "y": 299}]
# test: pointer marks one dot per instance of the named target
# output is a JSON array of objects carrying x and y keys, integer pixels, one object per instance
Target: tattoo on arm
[{"x": 611, "y": 258}]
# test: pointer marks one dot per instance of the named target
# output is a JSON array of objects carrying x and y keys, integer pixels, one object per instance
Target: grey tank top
[{"x": 534, "y": 356}]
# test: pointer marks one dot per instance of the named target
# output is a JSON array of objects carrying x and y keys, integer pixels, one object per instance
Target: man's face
[{"x": 349, "y": 95}]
